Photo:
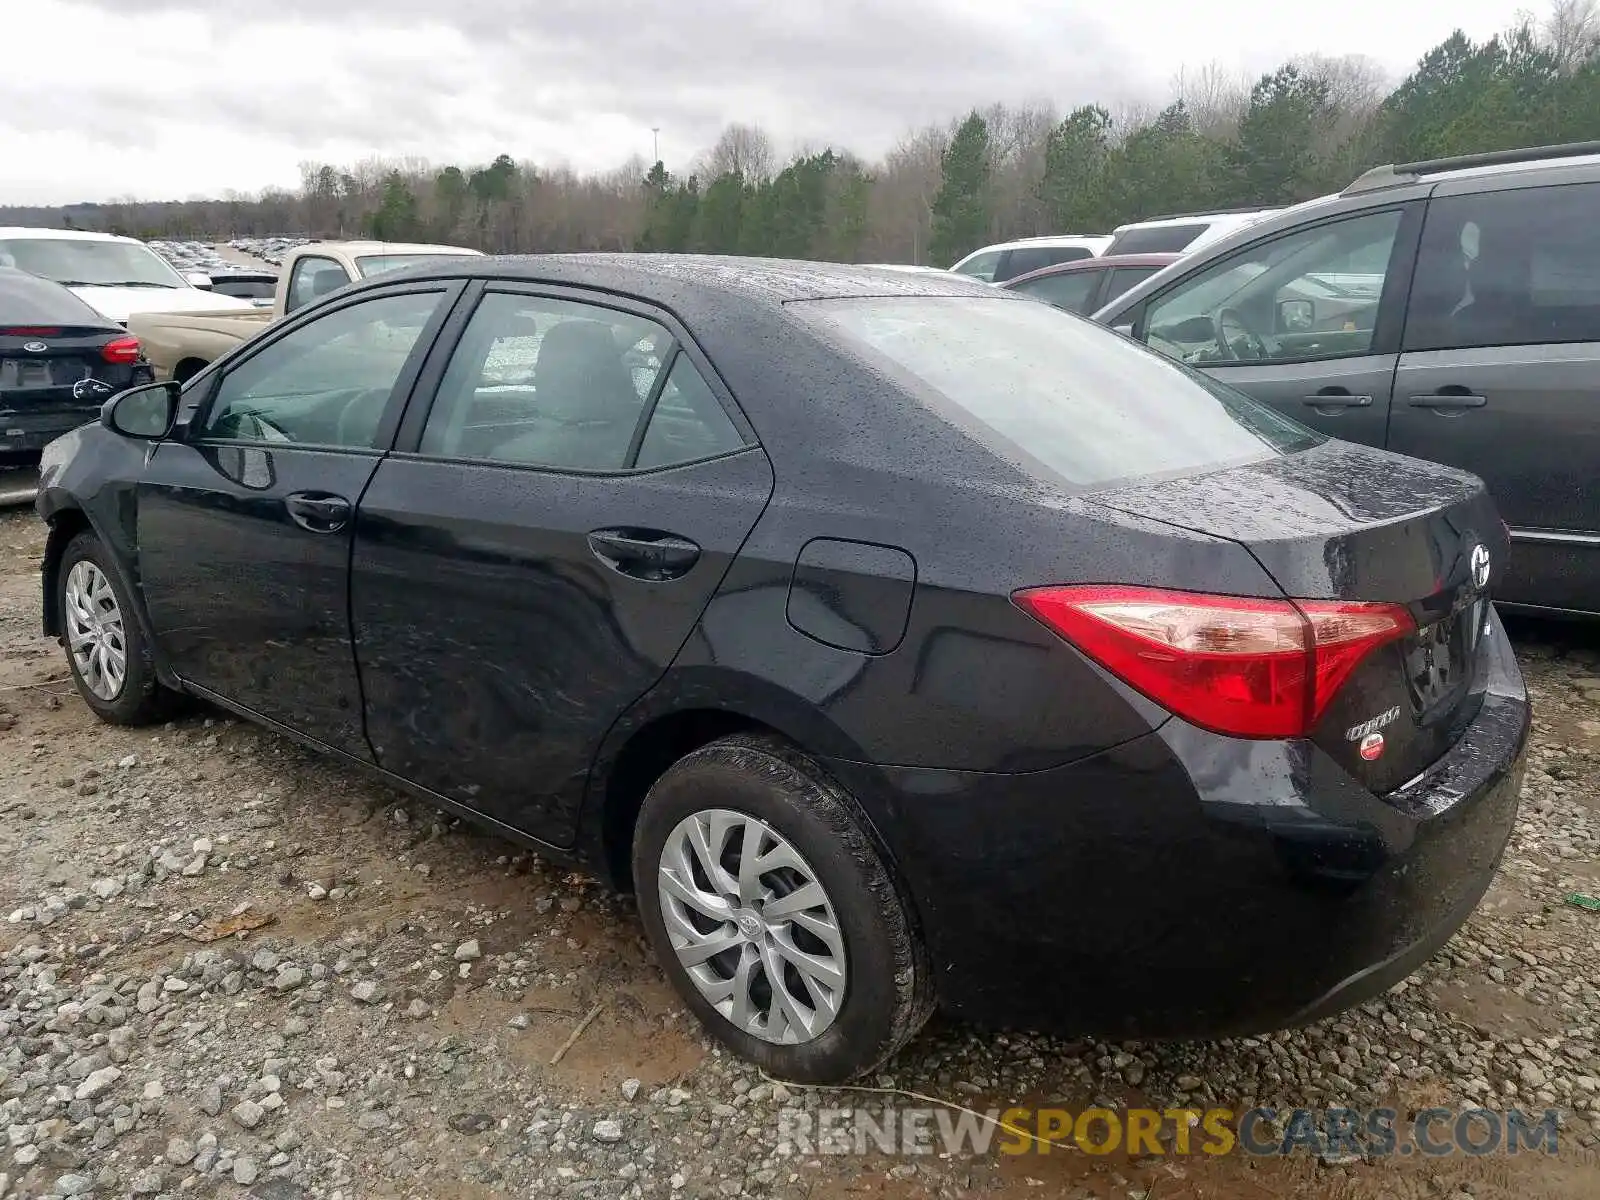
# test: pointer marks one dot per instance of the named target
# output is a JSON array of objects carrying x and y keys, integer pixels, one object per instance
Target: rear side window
[
  {"x": 1155, "y": 239},
  {"x": 1034, "y": 258},
  {"x": 1088, "y": 405},
  {"x": 1512, "y": 268},
  {"x": 1125, "y": 279},
  {"x": 1071, "y": 290}
]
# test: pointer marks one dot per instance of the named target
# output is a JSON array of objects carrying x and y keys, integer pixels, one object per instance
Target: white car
[
  {"x": 1184, "y": 233},
  {"x": 116, "y": 276},
  {"x": 1007, "y": 260}
]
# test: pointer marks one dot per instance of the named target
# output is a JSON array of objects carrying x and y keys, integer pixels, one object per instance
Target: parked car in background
[
  {"x": 60, "y": 360},
  {"x": 1183, "y": 233},
  {"x": 180, "y": 345},
  {"x": 116, "y": 276},
  {"x": 996, "y": 264},
  {"x": 1089, "y": 283},
  {"x": 258, "y": 287},
  {"x": 1446, "y": 309},
  {"x": 625, "y": 556}
]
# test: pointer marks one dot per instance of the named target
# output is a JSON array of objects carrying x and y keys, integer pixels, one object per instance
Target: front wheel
[
  {"x": 111, "y": 662},
  {"x": 775, "y": 916}
]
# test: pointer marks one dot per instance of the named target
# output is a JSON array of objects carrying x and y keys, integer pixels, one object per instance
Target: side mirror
[
  {"x": 198, "y": 279},
  {"x": 147, "y": 411},
  {"x": 1296, "y": 316}
]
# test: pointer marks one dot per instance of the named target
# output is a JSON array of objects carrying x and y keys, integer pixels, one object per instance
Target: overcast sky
[{"x": 166, "y": 99}]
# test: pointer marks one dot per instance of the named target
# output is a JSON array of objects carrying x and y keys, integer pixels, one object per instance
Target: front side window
[
  {"x": 1089, "y": 406},
  {"x": 326, "y": 383},
  {"x": 980, "y": 266},
  {"x": 314, "y": 276},
  {"x": 90, "y": 262},
  {"x": 1071, "y": 290},
  {"x": 1509, "y": 268},
  {"x": 1306, "y": 295}
]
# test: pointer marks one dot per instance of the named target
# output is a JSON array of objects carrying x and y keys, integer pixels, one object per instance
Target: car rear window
[
  {"x": 1090, "y": 405},
  {"x": 1156, "y": 239},
  {"x": 28, "y": 300}
]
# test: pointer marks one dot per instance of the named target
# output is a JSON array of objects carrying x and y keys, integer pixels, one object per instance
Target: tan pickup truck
[{"x": 180, "y": 344}]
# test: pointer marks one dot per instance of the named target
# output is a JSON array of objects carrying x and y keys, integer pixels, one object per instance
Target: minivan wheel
[
  {"x": 773, "y": 913},
  {"x": 111, "y": 663}
]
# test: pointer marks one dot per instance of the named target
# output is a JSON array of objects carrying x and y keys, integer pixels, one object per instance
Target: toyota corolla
[{"x": 899, "y": 641}]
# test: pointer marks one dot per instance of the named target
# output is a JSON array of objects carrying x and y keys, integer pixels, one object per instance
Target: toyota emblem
[
  {"x": 35, "y": 347},
  {"x": 1480, "y": 566}
]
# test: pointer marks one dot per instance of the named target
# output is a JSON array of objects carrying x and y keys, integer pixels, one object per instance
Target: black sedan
[
  {"x": 898, "y": 640},
  {"x": 59, "y": 362}
]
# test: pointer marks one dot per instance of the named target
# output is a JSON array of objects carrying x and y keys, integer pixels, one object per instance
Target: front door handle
[
  {"x": 1449, "y": 399},
  {"x": 644, "y": 553},
  {"x": 318, "y": 512},
  {"x": 1336, "y": 398}
]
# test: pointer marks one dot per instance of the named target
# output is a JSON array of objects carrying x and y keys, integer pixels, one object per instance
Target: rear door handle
[
  {"x": 644, "y": 553},
  {"x": 318, "y": 512},
  {"x": 1449, "y": 400},
  {"x": 1336, "y": 399}
]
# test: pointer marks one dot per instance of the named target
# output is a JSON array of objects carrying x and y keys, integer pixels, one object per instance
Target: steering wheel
[
  {"x": 359, "y": 418},
  {"x": 1254, "y": 346}
]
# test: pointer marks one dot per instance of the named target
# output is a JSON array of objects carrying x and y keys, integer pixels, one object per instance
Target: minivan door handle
[
  {"x": 1336, "y": 397},
  {"x": 644, "y": 553},
  {"x": 318, "y": 512},
  {"x": 1447, "y": 398}
]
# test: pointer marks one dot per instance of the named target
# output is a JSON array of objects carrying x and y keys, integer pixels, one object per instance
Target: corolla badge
[
  {"x": 35, "y": 347},
  {"x": 1480, "y": 566}
]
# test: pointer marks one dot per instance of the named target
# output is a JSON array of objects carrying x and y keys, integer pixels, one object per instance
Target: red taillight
[
  {"x": 1232, "y": 664},
  {"x": 31, "y": 331},
  {"x": 122, "y": 351}
]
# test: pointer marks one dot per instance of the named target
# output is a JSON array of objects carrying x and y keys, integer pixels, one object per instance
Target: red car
[{"x": 1087, "y": 284}]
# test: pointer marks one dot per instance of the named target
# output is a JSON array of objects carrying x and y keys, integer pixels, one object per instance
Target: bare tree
[
  {"x": 1571, "y": 33},
  {"x": 743, "y": 150}
]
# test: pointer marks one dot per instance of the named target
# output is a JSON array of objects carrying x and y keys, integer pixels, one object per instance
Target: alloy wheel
[
  {"x": 96, "y": 637},
  {"x": 752, "y": 926}
]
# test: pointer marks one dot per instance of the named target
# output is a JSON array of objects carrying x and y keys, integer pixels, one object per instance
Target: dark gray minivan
[{"x": 1448, "y": 310}]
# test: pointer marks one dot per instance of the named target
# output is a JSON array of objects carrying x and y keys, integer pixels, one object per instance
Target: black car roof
[{"x": 699, "y": 278}]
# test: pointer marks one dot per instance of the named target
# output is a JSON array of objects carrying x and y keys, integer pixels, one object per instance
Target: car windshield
[
  {"x": 377, "y": 264},
  {"x": 86, "y": 262},
  {"x": 1092, "y": 407}
]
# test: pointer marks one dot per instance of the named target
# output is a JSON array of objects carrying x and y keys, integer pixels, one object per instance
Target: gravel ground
[{"x": 383, "y": 992}]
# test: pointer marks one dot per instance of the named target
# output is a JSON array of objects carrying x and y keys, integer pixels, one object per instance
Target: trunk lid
[
  {"x": 58, "y": 368},
  {"x": 1347, "y": 522}
]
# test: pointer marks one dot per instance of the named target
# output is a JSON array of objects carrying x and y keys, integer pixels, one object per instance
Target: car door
[
  {"x": 542, "y": 541},
  {"x": 245, "y": 518},
  {"x": 1500, "y": 370},
  {"x": 1307, "y": 321}
]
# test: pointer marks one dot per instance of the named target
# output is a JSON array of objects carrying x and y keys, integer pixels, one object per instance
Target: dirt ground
[{"x": 379, "y": 1014}]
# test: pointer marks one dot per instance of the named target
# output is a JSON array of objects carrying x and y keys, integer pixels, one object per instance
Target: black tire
[
  {"x": 888, "y": 993},
  {"x": 142, "y": 699}
]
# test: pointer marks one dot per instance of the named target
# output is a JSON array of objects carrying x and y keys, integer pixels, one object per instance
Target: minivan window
[
  {"x": 1509, "y": 268},
  {"x": 1087, "y": 404},
  {"x": 1155, "y": 239},
  {"x": 1309, "y": 294}
]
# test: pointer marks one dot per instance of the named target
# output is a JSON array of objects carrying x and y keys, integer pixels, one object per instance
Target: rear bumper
[
  {"x": 1190, "y": 885},
  {"x": 31, "y": 429}
]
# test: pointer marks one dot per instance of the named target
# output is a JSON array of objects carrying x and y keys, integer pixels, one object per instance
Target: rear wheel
[
  {"x": 775, "y": 916},
  {"x": 112, "y": 664}
]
